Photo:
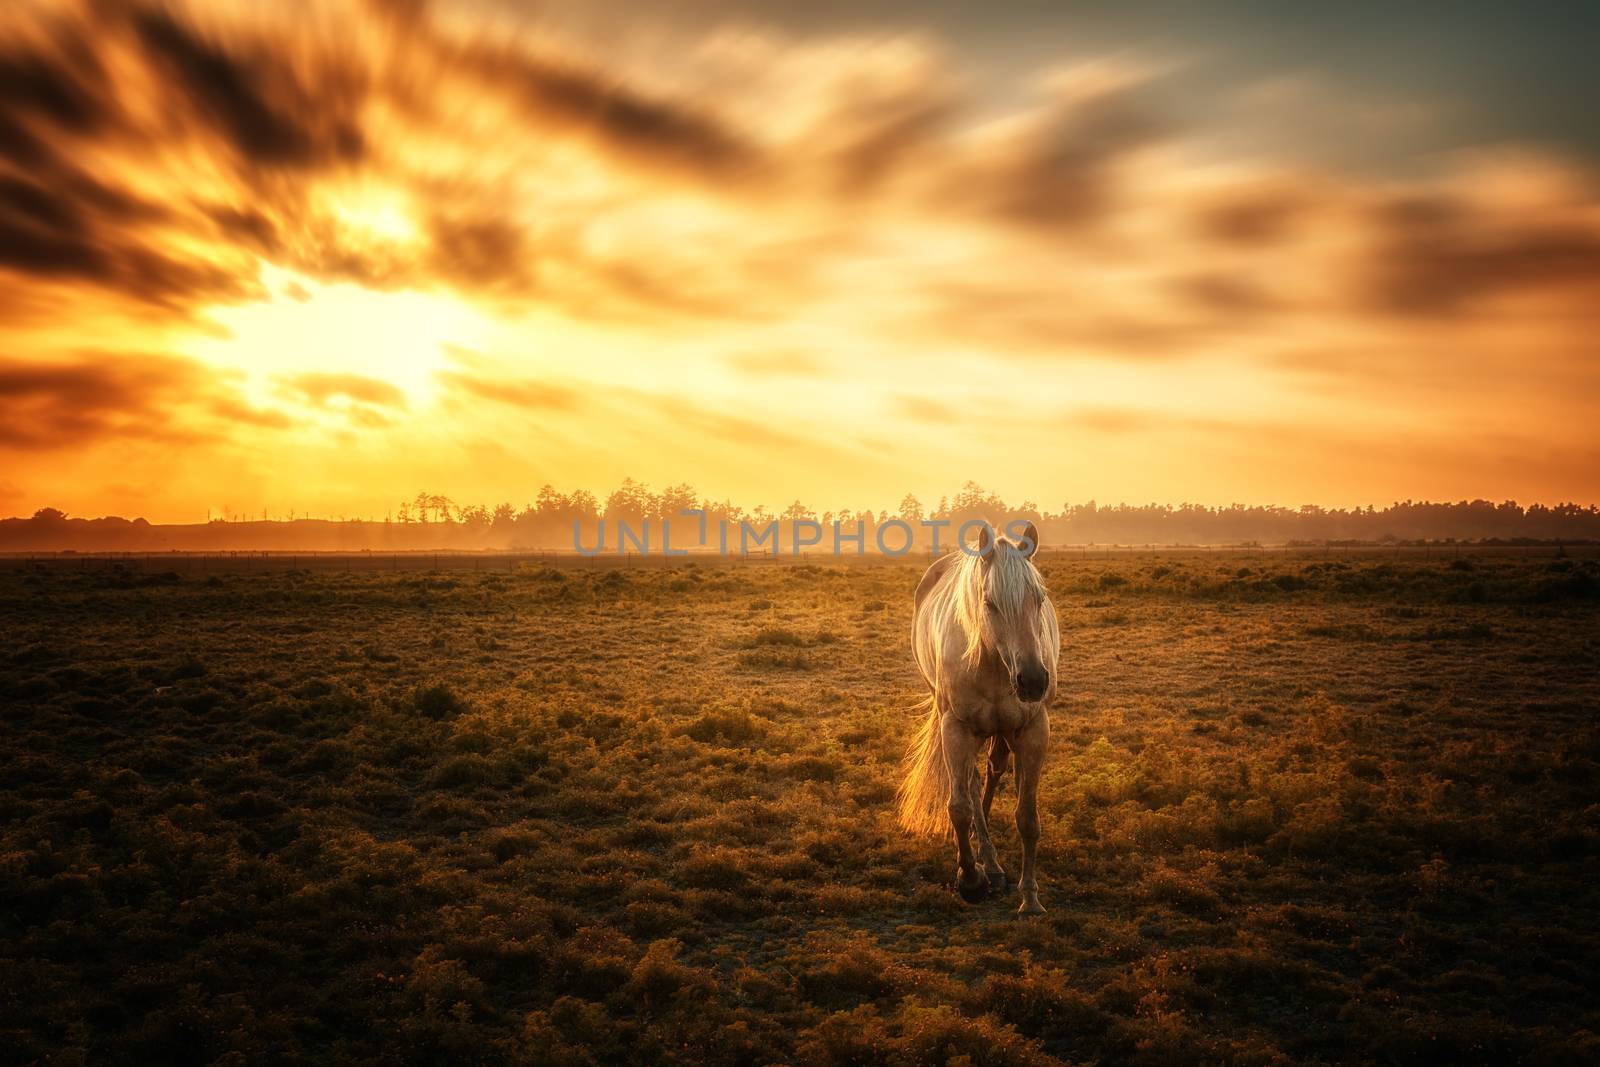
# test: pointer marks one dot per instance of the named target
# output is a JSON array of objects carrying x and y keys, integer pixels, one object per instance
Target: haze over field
[
  {"x": 634, "y": 521},
  {"x": 311, "y": 257}
]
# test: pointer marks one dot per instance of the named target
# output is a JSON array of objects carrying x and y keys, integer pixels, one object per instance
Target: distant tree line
[
  {"x": 548, "y": 520},
  {"x": 432, "y": 520}
]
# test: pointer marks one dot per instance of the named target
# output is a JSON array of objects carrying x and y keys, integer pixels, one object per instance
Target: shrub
[{"x": 438, "y": 701}]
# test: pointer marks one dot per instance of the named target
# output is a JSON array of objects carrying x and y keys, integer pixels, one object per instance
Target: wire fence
[{"x": 510, "y": 561}]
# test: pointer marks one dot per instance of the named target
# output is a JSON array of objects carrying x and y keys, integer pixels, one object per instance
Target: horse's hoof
[
  {"x": 997, "y": 881},
  {"x": 973, "y": 892},
  {"x": 1030, "y": 907}
]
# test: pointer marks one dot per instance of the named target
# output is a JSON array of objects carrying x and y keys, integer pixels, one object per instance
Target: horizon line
[{"x": 232, "y": 518}]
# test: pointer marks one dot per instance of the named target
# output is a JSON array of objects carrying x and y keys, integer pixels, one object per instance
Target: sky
[{"x": 316, "y": 258}]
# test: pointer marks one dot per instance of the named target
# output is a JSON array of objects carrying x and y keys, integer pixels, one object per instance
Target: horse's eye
[{"x": 989, "y": 604}]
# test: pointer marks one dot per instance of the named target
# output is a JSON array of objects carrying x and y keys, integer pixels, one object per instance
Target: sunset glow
[{"x": 272, "y": 262}]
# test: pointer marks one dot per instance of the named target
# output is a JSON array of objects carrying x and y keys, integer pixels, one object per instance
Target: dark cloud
[
  {"x": 265, "y": 109},
  {"x": 50, "y": 83},
  {"x": 885, "y": 138},
  {"x": 587, "y": 101},
  {"x": 59, "y": 223},
  {"x": 481, "y": 252},
  {"x": 631, "y": 120},
  {"x": 888, "y": 121},
  {"x": 1230, "y": 294},
  {"x": 301, "y": 130},
  {"x": 1436, "y": 254},
  {"x": 66, "y": 89},
  {"x": 1059, "y": 166},
  {"x": 1251, "y": 215},
  {"x": 53, "y": 405},
  {"x": 562, "y": 92},
  {"x": 248, "y": 227},
  {"x": 70, "y": 226},
  {"x": 71, "y": 205},
  {"x": 69, "y": 202}
]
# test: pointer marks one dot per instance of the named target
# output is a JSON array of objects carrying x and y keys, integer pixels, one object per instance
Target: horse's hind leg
[
  {"x": 999, "y": 756},
  {"x": 961, "y": 754},
  {"x": 999, "y": 763},
  {"x": 988, "y": 862}
]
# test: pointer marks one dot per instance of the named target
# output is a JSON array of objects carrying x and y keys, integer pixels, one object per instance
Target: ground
[{"x": 1296, "y": 810}]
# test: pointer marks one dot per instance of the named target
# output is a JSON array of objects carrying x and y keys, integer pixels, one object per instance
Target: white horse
[{"x": 986, "y": 639}]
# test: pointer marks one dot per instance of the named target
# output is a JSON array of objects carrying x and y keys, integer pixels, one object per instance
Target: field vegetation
[{"x": 1296, "y": 811}]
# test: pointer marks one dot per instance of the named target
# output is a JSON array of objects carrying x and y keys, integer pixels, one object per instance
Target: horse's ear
[
  {"x": 1030, "y": 536},
  {"x": 985, "y": 541}
]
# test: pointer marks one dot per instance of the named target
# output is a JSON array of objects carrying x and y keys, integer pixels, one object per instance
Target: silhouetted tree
[
  {"x": 674, "y": 499},
  {"x": 631, "y": 502}
]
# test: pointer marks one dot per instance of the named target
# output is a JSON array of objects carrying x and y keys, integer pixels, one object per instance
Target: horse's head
[{"x": 1011, "y": 616}]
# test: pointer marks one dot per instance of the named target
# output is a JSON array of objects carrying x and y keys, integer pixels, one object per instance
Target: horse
[{"x": 987, "y": 643}]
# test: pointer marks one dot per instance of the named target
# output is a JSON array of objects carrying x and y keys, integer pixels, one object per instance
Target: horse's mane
[{"x": 1012, "y": 577}]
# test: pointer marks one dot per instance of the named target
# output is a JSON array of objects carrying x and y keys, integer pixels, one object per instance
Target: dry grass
[{"x": 1326, "y": 812}]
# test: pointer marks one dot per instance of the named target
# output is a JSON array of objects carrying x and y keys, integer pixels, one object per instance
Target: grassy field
[{"x": 1295, "y": 811}]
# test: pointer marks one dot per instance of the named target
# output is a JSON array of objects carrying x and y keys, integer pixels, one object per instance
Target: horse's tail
[{"x": 925, "y": 791}]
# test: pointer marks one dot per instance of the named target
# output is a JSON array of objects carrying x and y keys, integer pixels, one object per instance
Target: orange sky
[{"x": 254, "y": 258}]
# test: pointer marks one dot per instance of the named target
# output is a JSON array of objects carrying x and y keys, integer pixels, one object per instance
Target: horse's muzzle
[{"x": 1031, "y": 682}]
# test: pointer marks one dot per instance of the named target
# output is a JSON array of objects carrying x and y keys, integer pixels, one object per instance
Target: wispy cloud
[{"x": 321, "y": 388}]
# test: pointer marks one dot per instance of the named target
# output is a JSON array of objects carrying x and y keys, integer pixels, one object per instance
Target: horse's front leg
[
  {"x": 961, "y": 753},
  {"x": 1030, "y": 745}
]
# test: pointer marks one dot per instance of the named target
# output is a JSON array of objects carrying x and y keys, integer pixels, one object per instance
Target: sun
[{"x": 398, "y": 338}]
